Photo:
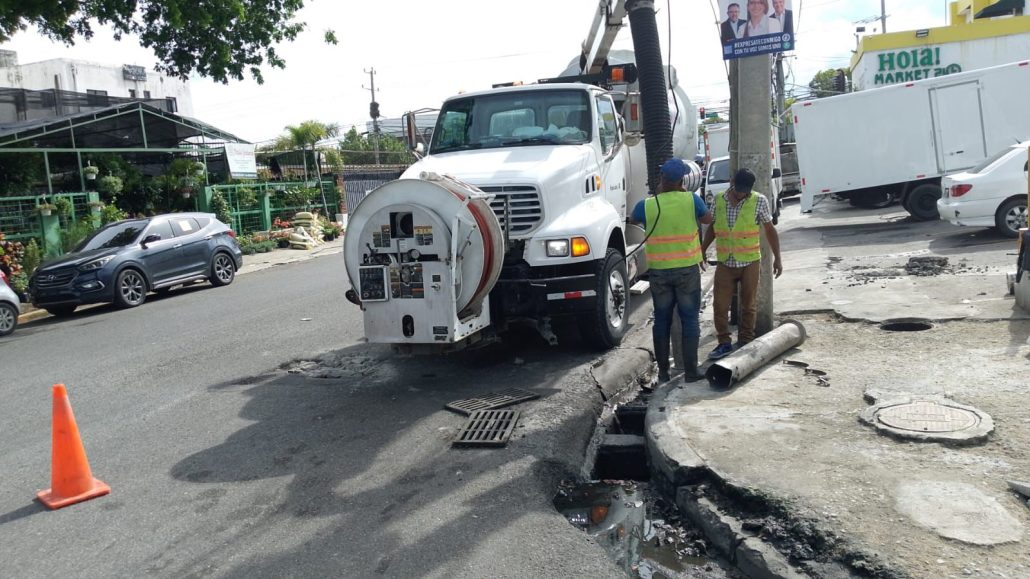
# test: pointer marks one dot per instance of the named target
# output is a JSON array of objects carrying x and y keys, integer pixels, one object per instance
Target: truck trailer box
[{"x": 896, "y": 139}]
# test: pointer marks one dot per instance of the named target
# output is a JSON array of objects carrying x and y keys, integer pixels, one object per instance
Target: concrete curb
[{"x": 251, "y": 264}]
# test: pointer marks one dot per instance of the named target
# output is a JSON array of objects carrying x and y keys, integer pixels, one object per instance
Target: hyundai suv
[{"x": 122, "y": 261}]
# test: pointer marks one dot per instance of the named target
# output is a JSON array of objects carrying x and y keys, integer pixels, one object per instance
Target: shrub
[
  {"x": 111, "y": 213},
  {"x": 75, "y": 233},
  {"x": 221, "y": 208},
  {"x": 33, "y": 257},
  {"x": 110, "y": 185}
]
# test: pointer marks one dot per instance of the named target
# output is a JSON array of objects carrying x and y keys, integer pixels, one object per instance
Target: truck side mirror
[
  {"x": 777, "y": 173},
  {"x": 420, "y": 148}
]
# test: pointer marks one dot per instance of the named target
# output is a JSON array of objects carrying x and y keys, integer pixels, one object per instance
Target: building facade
[
  {"x": 981, "y": 33},
  {"x": 98, "y": 81}
]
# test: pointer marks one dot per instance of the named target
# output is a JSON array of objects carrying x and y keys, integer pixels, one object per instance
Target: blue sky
[{"x": 424, "y": 52}]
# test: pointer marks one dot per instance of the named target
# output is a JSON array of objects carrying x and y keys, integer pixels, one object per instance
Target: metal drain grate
[
  {"x": 491, "y": 401},
  {"x": 487, "y": 428}
]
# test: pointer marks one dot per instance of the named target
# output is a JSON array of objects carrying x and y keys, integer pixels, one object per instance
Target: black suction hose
[{"x": 654, "y": 96}]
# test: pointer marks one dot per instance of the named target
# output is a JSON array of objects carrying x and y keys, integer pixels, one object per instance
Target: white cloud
[{"x": 425, "y": 51}]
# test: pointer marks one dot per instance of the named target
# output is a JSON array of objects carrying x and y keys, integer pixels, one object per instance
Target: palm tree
[{"x": 308, "y": 134}]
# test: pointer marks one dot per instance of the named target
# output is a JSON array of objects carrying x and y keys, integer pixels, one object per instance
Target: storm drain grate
[
  {"x": 491, "y": 401},
  {"x": 487, "y": 428}
]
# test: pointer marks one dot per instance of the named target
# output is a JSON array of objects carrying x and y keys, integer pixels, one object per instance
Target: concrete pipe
[{"x": 761, "y": 351}]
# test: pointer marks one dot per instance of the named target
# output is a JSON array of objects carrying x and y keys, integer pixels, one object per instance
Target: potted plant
[
  {"x": 95, "y": 206},
  {"x": 198, "y": 168},
  {"x": 90, "y": 172},
  {"x": 63, "y": 205},
  {"x": 45, "y": 208}
]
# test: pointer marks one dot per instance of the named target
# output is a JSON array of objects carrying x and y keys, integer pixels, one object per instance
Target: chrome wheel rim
[
  {"x": 616, "y": 299},
  {"x": 132, "y": 288},
  {"x": 223, "y": 269},
  {"x": 7, "y": 318},
  {"x": 1015, "y": 219}
]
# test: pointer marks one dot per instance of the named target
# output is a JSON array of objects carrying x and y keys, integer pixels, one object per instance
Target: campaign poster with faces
[{"x": 754, "y": 27}]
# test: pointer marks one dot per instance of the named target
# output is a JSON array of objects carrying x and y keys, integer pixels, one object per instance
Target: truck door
[
  {"x": 958, "y": 120},
  {"x": 613, "y": 162}
]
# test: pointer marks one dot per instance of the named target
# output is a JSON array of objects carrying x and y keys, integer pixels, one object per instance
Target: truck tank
[{"x": 684, "y": 135}]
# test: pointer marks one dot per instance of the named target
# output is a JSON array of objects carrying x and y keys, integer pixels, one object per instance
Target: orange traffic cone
[{"x": 71, "y": 481}]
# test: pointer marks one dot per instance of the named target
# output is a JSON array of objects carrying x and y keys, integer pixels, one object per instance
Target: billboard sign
[
  {"x": 754, "y": 27},
  {"x": 241, "y": 160}
]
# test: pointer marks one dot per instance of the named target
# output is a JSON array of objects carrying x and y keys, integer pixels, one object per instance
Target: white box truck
[{"x": 897, "y": 142}]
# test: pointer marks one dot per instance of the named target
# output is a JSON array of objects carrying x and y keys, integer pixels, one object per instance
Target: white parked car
[
  {"x": 992, "y": 194},
  {"x": 10, "y": 307},
  {"x": 717, "y": 179}
]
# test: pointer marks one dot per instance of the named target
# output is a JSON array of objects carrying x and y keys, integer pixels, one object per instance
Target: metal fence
[
  {"x": 254, "y": 207},
  {"x": 359, "y": 181},
  {"x": 21, "y": 221}
]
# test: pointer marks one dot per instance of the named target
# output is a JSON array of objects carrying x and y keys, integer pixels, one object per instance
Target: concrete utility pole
[
  {"x": 883, "y": 16},
  {"x": 750, "y": 100},
  {"x": 374, "y": 112}
]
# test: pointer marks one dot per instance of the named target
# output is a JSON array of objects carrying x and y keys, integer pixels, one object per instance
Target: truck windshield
[{"x": 513, "y": 119}]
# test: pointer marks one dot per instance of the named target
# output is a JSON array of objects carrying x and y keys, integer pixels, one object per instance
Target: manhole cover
[
  {"x": 927, "y": 416},
  {"x": 487, "y": 428},
  {"x": 490, "y": 401}
]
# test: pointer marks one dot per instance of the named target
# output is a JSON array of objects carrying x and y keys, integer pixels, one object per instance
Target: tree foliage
[
  {"x": 219, "y": 39},
  {"x": 359, "y": 149},
  {"x": 823, "y": 83}
]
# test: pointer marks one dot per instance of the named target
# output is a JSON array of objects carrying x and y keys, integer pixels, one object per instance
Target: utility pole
[
  {"x": 883, "y": 16},
  {"x": 781, "y": 102},
  {"x": 750, "y": 99},
  {"x": 374, "y": 112}
]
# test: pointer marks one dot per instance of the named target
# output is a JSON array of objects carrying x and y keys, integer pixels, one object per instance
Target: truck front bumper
[{"x": 549, "y": 296}]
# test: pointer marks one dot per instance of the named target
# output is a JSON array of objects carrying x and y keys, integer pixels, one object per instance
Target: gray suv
[{"x": 122, "y": 261}]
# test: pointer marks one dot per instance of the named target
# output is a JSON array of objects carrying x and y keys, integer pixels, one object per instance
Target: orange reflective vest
[
  {"x": 743, "y": 241},
  {"x": 672, "y": 232}
]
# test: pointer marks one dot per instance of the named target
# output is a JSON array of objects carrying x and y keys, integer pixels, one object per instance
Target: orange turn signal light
[
  {"x": 580, "y": 247},
  {"x": 597, "y": 514}
]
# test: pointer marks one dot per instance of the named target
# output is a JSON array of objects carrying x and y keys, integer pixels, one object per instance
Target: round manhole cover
[{"x": 927, "y": 416}]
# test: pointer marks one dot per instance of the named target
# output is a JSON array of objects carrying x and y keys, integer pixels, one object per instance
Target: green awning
[{"x": 1000, "y": 8}]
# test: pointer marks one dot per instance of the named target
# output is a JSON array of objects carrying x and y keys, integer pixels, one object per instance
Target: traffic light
[
  {"x": 702, "y": 112},
  {"x": 840, "y": 81},
  {"x": 373, "y": 110}
]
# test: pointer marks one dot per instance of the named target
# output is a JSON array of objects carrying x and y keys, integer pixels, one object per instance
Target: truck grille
[
  {"x": 54, "y": 279},
  {"x": 523, "y": 206}
]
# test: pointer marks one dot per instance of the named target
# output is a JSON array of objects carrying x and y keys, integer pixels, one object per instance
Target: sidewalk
[
  {"x": 784, "y": 477},
  {"x": 251, "y": 263}
]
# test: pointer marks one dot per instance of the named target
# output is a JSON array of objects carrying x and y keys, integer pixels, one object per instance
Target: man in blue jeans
[{"x": 673, "y": 247}]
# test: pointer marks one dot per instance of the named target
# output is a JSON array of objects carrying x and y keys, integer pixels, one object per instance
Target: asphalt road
[{"x": 248, "y": 430}]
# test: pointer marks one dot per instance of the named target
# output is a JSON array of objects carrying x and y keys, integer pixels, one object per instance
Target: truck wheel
[
  {"x": 605, "y": 327},
  {"x": 1011, "y": 217},
  {"x": 922, "y": 202}
]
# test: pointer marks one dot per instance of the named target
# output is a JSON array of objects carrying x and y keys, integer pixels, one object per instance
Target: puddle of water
[{"x": 640, "y": 530}]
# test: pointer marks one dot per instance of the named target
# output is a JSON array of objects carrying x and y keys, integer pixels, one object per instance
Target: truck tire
[
  {"x": 922, "y": 202},
  {"x": 1011, "y": 217},
  {"x": 606, "y": 325}
]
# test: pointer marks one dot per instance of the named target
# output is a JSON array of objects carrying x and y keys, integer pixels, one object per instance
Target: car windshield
[
  {"x": 719, "y": 172},
  {"x": 513, "y": 119},
  {"x": 992, "y": 160},
  {"x": 115, "y": 235}
]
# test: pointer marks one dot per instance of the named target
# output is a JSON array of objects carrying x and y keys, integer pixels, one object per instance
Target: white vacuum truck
[{"x": 517, "y": 214}]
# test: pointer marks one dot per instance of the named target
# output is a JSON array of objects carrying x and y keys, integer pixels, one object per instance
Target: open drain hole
[{"x": 906, "y": 325}]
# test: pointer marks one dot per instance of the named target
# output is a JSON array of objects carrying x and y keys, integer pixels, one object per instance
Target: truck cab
[{"x": 553, "y": 157}]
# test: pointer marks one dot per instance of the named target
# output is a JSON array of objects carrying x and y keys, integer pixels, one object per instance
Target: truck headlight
[{"x": 558, "y": 248}]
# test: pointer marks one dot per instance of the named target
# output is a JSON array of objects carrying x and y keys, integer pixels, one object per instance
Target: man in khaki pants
[{"x": 740, "y": 214}]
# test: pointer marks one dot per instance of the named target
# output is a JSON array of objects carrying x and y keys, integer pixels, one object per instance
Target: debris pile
[{"x": 927, "y": 265}]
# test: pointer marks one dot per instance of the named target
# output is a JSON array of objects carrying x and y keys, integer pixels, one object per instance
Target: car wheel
[
  {"x": 922, "y": 202},
  {"x": 8, "y": 318},
  {"x": 130, "y": 290},
  {"x": 223, "y": 270},
  {"x": 60, "y": 311},
  {"x": 1011, "y": 217},
  {"x": 605, "y": 327}
]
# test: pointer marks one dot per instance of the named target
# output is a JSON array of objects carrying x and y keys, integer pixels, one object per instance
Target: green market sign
[{"x": 911, "y": 65}]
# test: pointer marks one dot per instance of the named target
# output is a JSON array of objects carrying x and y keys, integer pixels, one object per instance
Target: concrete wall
[{"x": 81, "y": 76}]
